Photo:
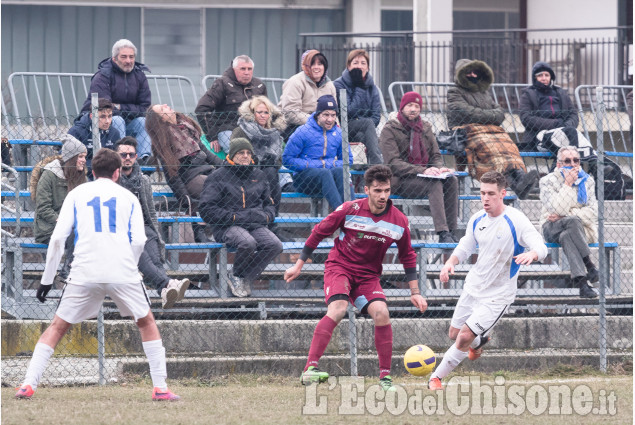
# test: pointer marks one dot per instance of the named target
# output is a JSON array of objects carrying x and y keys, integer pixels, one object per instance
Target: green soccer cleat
[
  {"x": 386, "y": 383},
  {"x": 313, "y": 374}
]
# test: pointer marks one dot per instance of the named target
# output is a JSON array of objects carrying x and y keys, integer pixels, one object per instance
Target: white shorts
[
  {"x": 479, "y": 314},
  {"x": 82, "y": 302}
]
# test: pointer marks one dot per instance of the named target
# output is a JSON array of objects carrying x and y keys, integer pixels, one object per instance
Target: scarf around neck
[
  {"x": 581, "y": 184},
  {"x": 264, "y": 140},
  {"x": 418, "y": 154}
]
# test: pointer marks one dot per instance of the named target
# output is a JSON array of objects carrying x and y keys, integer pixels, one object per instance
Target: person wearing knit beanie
[
  {"x": 71, "y": 147},
  {"x": 238, "y": 145},
  {"x": 409, "y": 97},
  {"x": 325, "y": 103}
]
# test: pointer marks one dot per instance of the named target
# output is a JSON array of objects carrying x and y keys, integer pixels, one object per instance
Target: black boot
[
  {"x": 585, "y": 290},
  {"x": 522, "y": 183},
  {"x": 199, "y": 234}
]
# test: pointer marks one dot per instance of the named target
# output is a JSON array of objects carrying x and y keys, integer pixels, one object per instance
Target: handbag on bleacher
[{"x": 453, "y": 141}]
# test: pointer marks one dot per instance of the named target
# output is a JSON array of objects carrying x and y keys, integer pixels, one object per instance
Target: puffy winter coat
[
  {"x": 50, "y": 194},
  {"x": 311, "y": 146},
  {"x": 82, "y": 130},
  {"x": 130, "y": 90},
  {"x": 300, "y": 95},
  {"x": 363, "y": 102},
  {"x": 472, "y": 103}
]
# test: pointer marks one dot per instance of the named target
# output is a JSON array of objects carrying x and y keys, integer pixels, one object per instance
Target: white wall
[{"x": 431, "y": 15}]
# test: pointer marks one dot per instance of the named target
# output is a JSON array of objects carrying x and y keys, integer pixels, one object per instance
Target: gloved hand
[
  {"x": 42, "y": 291},
  {"x": 356, "y": 77}
]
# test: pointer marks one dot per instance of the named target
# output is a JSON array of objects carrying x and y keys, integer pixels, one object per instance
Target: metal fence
[{"x": 211, "y": 331}]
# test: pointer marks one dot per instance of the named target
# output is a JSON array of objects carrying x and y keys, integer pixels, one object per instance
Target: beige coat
[
  {"x": 558, "y": 198},
  {"x": 300, "y": 95}
]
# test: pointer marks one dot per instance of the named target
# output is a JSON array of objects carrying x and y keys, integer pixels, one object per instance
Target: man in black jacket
[{"x": 236, "y": 203}]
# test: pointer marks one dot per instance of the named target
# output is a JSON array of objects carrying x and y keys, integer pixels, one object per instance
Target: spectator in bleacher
[
  {"x": 51, "y": 180},
  {"x": 569, "y": 216},
  {"x": 122, "y": 80},
  {"x": 237, "y": 204},
  {"x": 153, "y": 256},
  {"x": 489, "y": 147},
  {"x": 262, "y": 123},
  {"x": 545, "y": 106},
  {"x": 301, "y": 92},
  {"x": 410, "y": 149},
  {"x": 217, "y": 110},
  {"x": 314, "y": 153},
  {"x": 364, "y": 105},
  {"x": 82, "y": 130},
  {"x": 176, "y": 143}
]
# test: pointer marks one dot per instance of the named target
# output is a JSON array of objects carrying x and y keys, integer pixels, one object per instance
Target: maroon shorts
[{"x": 361, "y": 290}]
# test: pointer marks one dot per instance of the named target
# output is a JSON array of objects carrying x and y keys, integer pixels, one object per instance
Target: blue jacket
[
  {"x": 311, "y": 146},
  {"x": 130, "y": 90},
  {"x": 82, "y": 130},
  {"x": 363, "y": 102}
]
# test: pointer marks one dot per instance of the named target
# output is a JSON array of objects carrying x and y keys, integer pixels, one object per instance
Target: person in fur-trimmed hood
[{"x": 262, "y": 123}]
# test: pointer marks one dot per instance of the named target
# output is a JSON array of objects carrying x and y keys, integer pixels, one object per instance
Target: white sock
[
  {"x": 476, "y": 342},
  {"x": 451, "y": 359},
  {"x": 155, "y": 352},
  {"x": 41, "y": 355}
]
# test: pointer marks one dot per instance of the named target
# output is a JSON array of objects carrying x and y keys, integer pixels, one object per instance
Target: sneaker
[
  {"x": 313, "y": 374},
  {"x": 181, "y": 286},
  {"x": 435, "y": 384},
  {"x": 169, "y": 296},
  {"x": 386, "y": 383},
  {"x": 593, "y": 275},
  {"x": 25, "y": 391},
  {"x": 237, "y": 286},
  {"x": 158, "y": 395},
  {"x": 475, "y": 353},
  {"x": 586, "y": 291}
]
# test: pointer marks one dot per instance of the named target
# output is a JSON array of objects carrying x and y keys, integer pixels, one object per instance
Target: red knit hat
[{"x": 411, "y": 96}]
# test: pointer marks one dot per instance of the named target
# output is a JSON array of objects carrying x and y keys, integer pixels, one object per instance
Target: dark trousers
[
  {"x": 150, "y": 264},
  {"x": 69, "y": 248},
  {"x": 442, "y": 194},
  {"x": 569, "y": 233},
  {"x": 328, "y": 183},
  {"x": 274, "y": 185},
  {"x": 363, "y": 130},
  {"x": 255, "y": 249}
]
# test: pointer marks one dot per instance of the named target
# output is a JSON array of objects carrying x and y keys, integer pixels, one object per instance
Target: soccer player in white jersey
[
  {"x": 109, "y": 238},
  {"x": 501, "y": 234}
]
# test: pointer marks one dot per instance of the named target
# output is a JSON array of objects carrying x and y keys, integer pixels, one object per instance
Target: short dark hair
[
  {"x": 494, "y": 177},
  {"x": 103, "y": 104},
  {"x": 128, "y": 141},
  {"x": 380, "y": 173},
  {"x": 106, "y": 162}
]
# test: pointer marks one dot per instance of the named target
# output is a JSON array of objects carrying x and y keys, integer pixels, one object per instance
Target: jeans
[
  {"x": 137, "y": 129},
  {"x": 254, "y": 250},
  {"x": 328, "y": 183},
  {"x": 223, "y": 140}
]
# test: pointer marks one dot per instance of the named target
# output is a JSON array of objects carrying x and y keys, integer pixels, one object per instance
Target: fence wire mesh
[{"x": 227, "y": 225}]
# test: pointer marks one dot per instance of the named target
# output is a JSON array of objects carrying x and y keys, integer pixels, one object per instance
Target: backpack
[
  {"x": 614, "y": 184},
  {"x": 37, "y": 173}
]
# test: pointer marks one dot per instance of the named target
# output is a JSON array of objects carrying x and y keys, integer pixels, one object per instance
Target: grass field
[{"x": 248, "y": 399}]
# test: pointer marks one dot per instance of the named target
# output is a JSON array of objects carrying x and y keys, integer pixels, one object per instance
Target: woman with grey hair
[{"x": 262, "y": 123}]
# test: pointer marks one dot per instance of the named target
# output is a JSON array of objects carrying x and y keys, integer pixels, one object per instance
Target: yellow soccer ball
[{"x": 419, "y": 360}]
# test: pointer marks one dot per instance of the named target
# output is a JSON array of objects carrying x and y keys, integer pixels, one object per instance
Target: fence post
[
  {"x": 94, "y": 108},
  {"x": 352, "y": 338},
  {"x": 599, "y": 119},
  {"x": 101, "y": 346},
  {"x": 346, "y": 166}
]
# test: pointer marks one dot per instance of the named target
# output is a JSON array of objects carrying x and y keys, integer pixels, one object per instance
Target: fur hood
[
  {"x": 55, "y": 167},
  {"x": 277, "y": 119},
  {"x": 464, "y": 66}
]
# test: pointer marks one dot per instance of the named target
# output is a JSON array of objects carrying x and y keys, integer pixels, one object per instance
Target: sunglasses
[
  {"x": 128, "y": 154},
  {"x": 571, "y": 161}
]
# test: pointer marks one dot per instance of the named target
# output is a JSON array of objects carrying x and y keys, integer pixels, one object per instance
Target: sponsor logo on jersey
[
  {"x": 367, "y": 225},
  {"x": 378, "y": 292},
  {"x": 374, "y": 238},
  {"x": 360, "y": 235}
]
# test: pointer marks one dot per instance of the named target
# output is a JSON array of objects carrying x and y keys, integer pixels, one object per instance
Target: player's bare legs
[{"x": 378, "y": 311}]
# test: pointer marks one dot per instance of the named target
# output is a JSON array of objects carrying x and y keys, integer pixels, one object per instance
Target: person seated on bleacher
[
  {"x": 545, "y": 106},
  {"x": 301, "y": 92},
  {"x": 569, "y": 216},
  {"x": 82, "y": 130},
  {"x": 489, "y": 147},
  {"x": 51, "y": 180},
  {"x": 176, "y": 143},
  {"x": 122, "y": 80},
  {"x": 217, "y": 110},
  {"x": 153, "y": 256},
  {"x": 262, "y": 123},
  {"x": 364, "y": 105},
  {"x": 314, "y": 153},
  {"x": 236, "y": 203},
  {"x": 411, "y": 150}
]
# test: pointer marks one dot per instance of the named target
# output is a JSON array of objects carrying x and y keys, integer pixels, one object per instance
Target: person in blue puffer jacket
[{"x": 314, "y": 153}]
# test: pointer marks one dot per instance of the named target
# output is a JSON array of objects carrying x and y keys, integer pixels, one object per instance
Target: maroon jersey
[{"x": 365, "y": 238}]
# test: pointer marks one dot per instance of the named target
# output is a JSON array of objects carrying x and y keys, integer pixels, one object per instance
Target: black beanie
[{"x": 238, "y": 145}]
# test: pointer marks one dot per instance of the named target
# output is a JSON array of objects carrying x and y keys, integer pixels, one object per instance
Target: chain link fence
[{"x": 233, "y": 227}]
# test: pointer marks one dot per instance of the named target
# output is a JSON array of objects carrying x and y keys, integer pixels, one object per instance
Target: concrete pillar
[
  {"x": 432, "y": 65},
  {"x": 363, "y": 16}
]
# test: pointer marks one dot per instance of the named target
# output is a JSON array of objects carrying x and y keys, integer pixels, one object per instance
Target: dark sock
[{"x": 588, "y": 263}]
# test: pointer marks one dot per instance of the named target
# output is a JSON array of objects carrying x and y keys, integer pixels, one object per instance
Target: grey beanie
[{"x": 71, "y": 147}]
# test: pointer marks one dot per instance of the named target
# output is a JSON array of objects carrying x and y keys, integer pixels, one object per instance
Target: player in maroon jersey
[{"x": 368, "y": 227}]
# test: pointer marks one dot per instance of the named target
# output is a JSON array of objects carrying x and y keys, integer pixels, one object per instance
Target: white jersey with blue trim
[
  {"x": 109, "y": 235},
  {"x": 498, "y": 240}
]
